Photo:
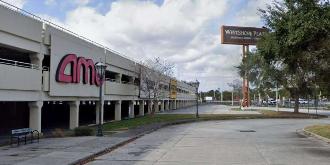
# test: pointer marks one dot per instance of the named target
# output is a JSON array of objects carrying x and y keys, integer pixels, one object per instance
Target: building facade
[{"x": 48, "y": 79}]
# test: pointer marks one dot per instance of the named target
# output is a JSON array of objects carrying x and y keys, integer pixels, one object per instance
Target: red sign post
[{"x": 244, "y": 36}]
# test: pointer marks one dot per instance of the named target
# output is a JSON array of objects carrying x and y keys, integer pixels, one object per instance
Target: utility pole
[
  {"x": 232, "y": 97},
  {"x": 277, "y": 98},
  {"x": 221, "y": 96},
  {"x": 197, "y": 86},
  {"x": 214, "y": 95}
]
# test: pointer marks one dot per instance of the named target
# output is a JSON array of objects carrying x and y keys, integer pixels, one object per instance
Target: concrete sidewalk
[{"x": 69, "y": 150}]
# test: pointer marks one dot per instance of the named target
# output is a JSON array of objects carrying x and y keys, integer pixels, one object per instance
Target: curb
[
  {"x": 316, "y": 136},
  {"x": 112, "y": 148}
]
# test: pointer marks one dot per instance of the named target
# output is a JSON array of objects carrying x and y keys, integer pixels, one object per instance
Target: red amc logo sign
[{"x": 76, "y": 64}]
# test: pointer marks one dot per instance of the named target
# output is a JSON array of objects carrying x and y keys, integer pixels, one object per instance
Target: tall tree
[
  {"x": 297, "y": 47},
  {"x": 155, "y": 76}
]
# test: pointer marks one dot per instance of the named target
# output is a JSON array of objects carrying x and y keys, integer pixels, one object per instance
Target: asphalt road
[{"x": 274, "y": 141}]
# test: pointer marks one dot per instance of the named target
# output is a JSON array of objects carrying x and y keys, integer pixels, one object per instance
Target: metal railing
[
  {"x": 28, "y": 14},
  {"x": 18, "y": 64}
]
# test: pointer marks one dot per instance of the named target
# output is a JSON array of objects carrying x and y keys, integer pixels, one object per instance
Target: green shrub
[{"x": 83, "y": 131}]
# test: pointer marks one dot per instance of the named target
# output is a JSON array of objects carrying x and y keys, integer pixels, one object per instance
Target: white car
[{"x": 303, "y": 101}]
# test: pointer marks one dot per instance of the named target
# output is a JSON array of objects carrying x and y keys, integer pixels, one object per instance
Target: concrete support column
[
  {"x": 156, "y": 106},
  {"x": 131, "y": 109},
  {"x": 167, "y": 105},
  {"x": 162, "y": 106},
  {"x": 74, "y": 114},
  {"x": 149, "y": 106},
  {"x": 175, "y": 104},
  {"x": 36, "y": 59},
  {"x": 118, "y": 78},
  {"x": 35, "y": 115},
  {"x": 131, "y": 80},
  {"x": 141, "y": 108},
  {"x": 97, "y": 107},
  {"x": 118, "y": 110}
]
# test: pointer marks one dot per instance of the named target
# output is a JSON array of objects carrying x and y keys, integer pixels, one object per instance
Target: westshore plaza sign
[
  {"x": 244, "y": 36},
  {"x": 241, "y": 35},
  {"x": 76, "y": 64}
]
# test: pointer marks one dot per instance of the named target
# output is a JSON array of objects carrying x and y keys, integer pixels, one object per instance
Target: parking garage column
[
  {"x": 131, "y": 80},
  {"x": 36, "y": 59},
  {"x": 74, "y": 114},
  {"x": 175, "y": 104},
  {"x": 167, "y": 105},
  {"x": 118, "y": 78},
  {"x": 131, "y": 109},
  {"x": 141, "y": 108},
  {"x": 162, "y": 105},
  {"x": 156, "y": 106},
  {"x": 118, "y": 110},
  {"x": 35, "y": 115},
  {"x": 149, "y": 106},
  {"x": 97, "y": 112}
]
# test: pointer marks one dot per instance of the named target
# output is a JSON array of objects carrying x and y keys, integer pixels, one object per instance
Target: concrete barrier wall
[
  {"x": 19, "y": 78},
  {"x": 20, "y": 25},
  {"x": 113, "y": 88}
]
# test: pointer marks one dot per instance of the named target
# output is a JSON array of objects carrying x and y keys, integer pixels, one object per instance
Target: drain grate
[{"x": 248, "y": 130}]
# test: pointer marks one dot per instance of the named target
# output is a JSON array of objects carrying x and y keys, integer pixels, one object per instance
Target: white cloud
[
  {"x": 249, "y": 15},
  {"x": 177, "y": 30},
  {"x": 17, "y": 3},
  {"x": 81, "y": 2},
  {"x": 50, "y": 2}
]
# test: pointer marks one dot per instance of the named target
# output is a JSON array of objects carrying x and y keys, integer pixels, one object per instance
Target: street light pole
[
  {"x": 214, "y": 95},
  {"x": 277, "y": 98},
  {"x": 197, "y": 85},
  {"x": 100, "y": 67},
  {"x": 232, "y": 97}
]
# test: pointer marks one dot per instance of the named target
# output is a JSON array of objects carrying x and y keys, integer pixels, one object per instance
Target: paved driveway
[{"x": 225, "y": 142}]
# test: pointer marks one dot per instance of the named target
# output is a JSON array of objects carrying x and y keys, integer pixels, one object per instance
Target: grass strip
[
  {"x": 321, "y": 130},
  {"x": 166, "y": 118}
]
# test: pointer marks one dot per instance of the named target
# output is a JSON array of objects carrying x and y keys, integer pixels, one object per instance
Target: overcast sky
[{"x": 183, "y": 32}]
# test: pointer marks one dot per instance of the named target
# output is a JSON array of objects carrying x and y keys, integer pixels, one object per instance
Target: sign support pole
[
  {"x": 245, "y": 87},
  {"x": 244, "y": 36}
]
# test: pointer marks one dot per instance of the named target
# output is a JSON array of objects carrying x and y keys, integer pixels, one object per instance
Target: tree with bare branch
[{"x": 155, "y": 75}]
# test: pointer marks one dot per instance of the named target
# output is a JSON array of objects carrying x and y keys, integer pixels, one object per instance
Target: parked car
[
  {"x": 303, "y": 101},
  {"x": 271, "y": 101}
]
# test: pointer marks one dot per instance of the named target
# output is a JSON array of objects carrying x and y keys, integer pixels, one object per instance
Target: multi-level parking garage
[{"x": 48, "y": 79}]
